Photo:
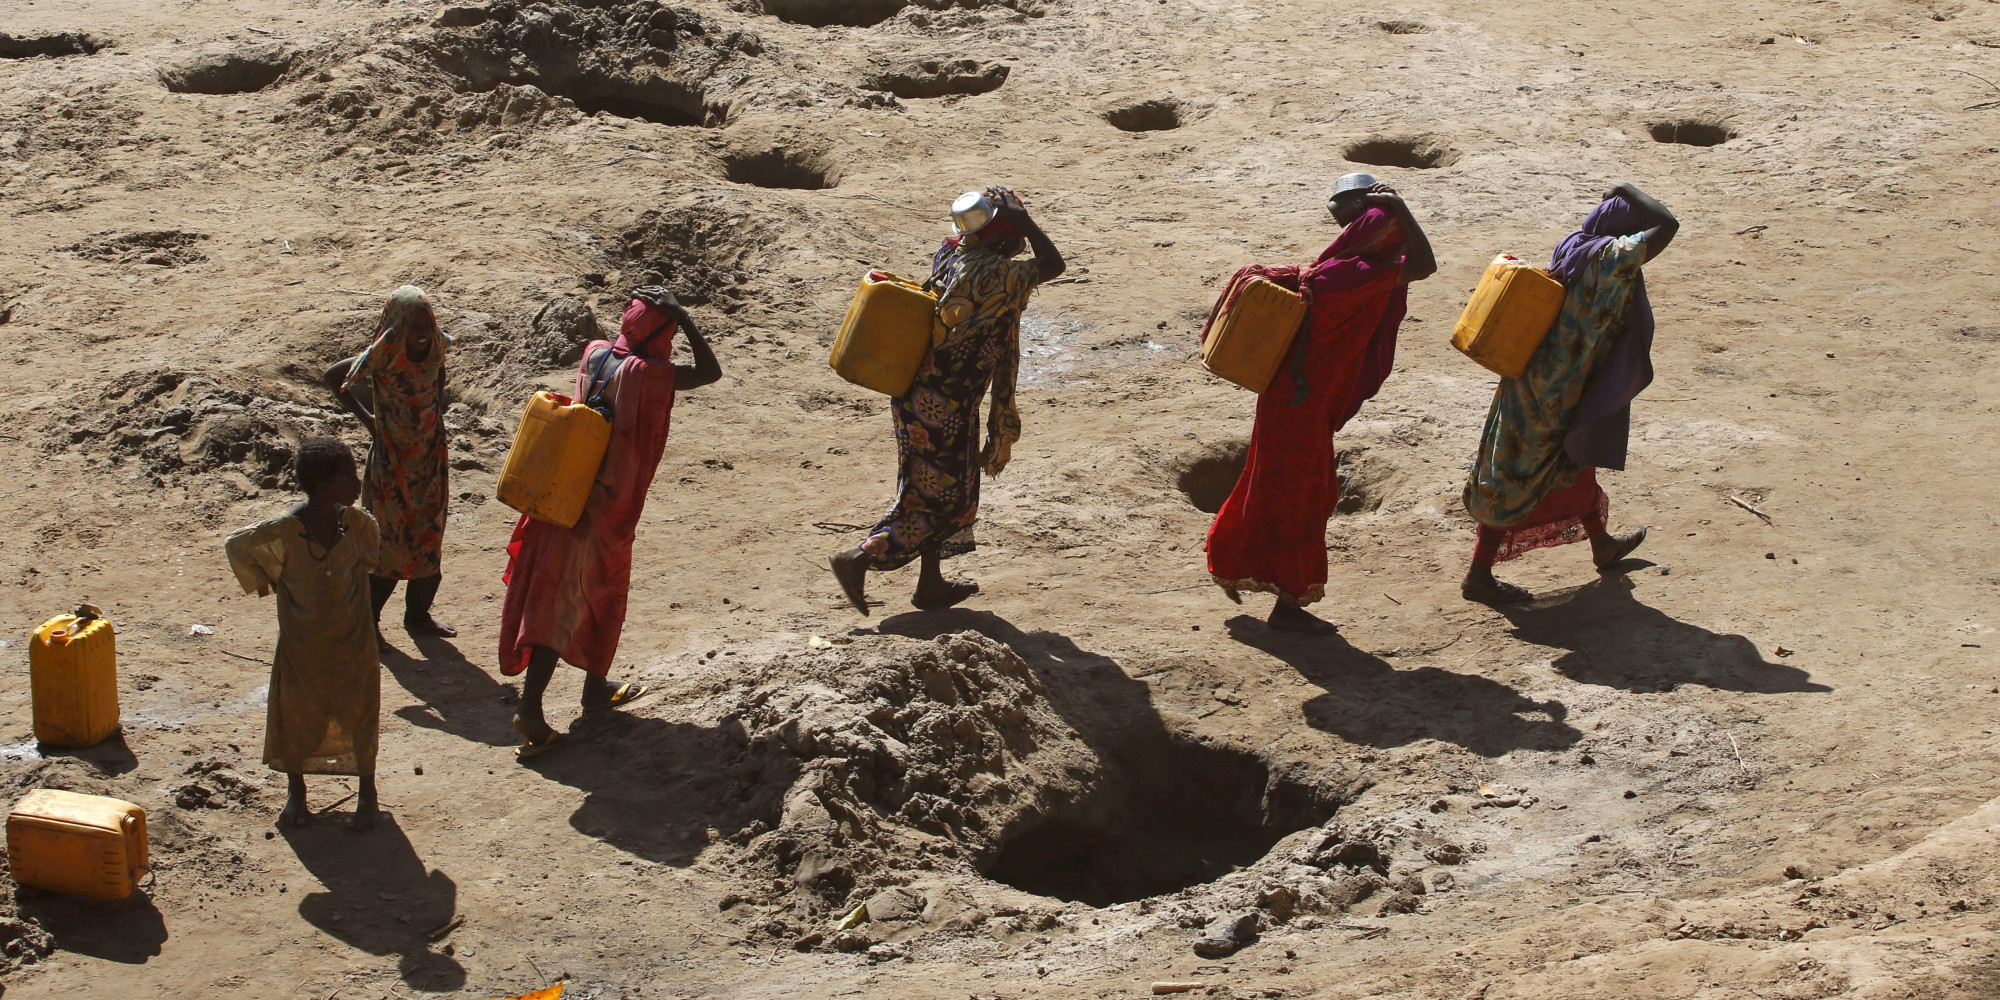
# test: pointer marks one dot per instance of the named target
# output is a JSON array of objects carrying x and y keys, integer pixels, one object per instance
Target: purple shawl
[{"x": 1603, "y": 421}]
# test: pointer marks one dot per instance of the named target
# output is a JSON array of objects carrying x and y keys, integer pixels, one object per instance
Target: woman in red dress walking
[{"x": 1270, "y": 536}]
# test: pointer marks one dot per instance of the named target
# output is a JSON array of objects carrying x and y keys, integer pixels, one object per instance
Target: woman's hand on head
[
  {"x": 1383, "y": 195},
  {"x": 1006, "y": 199}
]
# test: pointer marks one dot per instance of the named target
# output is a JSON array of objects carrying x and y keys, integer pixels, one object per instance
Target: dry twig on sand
[{"x": 1745, "y": 504}]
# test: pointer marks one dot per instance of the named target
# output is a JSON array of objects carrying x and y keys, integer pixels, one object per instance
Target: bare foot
[
  {"x": 1609, "y": 550},
  {"x": 295, "y": 813},
  {"x": 1292, "y": 618},
  {"x": 1482, "y": 586},
  {"x": 431, "y": 627},
  {"x": 942, "y": 594},
  {"x": 850, "y": 568}
]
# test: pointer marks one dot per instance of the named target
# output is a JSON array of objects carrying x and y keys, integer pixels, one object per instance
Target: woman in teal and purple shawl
[{"x": 1534, "y": 481}]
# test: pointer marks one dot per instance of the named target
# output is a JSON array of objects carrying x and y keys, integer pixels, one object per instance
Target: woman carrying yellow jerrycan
[{"x": 976, "y": 341}]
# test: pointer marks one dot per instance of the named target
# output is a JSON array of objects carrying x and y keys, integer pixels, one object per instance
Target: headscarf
[
  {"x": 1599, "y": 434},
  {"x": 406, "y": 304},
  {"x": 1368, "y": 250},
  {"x": 639, "y": 332}
]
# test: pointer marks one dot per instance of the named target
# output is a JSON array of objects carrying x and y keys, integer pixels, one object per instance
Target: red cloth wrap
[
  {"x": 1571, "y": 514},
  {"x": 567, "y": 587},
  {"x": 1271, "y": 533}
]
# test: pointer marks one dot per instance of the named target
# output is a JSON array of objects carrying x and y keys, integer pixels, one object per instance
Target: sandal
[
  {"x": 1626, "y": 544},
  {"x": 533, "y": 747},
  {"x": 626, "y": 694}
]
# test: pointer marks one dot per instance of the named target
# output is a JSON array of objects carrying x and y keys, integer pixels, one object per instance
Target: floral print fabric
[{"x": 937, "y": 420}]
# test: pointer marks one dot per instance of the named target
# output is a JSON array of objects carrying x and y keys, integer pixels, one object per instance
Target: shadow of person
[
  {"x": 457, "y": 694},
  {"x": 110, "y": 756},
  {"x": 654, "y": 788},
  {"x": 1616, "y": 641},
  {"x": 128, "y": 930},
  {"x": 1370, "y": 702},
  {"x": 379, "y": 897}
]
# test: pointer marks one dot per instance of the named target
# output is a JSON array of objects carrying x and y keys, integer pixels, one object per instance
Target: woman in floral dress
[
  {"x": 1534, "y": 481},
  {"x": 406, "y": 485},
  {"x": 977, "y": 342}
]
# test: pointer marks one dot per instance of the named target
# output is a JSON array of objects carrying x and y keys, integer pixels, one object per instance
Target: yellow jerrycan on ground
[
  {"x": 73, "y": 679},
  {"x": 1510, "y": 312},
  {"x": 88, "y": 845},
  {"x": 554, "y": 459},
  {"x": 1251, "y": 337},
  {"x": 887, "y": 332}
]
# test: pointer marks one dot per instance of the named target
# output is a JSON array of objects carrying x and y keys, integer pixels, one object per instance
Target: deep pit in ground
[
  {"x": 1690, "y": 132},
  {"x": 1147, "y": 116},
  {"x": 1180, "y": 814},
  {"x": 1409, "y": 154},
  {"x": 1403, "y": 27},
  {"x": 781, "y": 168}
]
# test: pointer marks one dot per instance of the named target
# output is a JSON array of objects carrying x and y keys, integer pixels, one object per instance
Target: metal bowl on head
[
  {"x": 971, "y": 212},
  {"x": 1350, "y": 186}
]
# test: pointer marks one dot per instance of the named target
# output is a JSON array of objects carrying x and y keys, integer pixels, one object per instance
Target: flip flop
[
  {"x": 626, "y": 694},
  {"x": 1632, "y": 542},
  {"x": 533, "y": 748}
]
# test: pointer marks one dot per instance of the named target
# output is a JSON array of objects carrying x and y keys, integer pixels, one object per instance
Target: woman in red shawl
[
  {"x": 566, "y": 587},
  {"x": 1271, "y": 533}
]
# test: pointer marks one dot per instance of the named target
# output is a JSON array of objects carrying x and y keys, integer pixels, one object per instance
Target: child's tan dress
[{"x": 324, "y": 715}]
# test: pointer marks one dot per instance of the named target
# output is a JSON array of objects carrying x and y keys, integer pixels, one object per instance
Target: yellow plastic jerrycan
[
  {"x": 887, "y": 332},
  {"x": 1510, "y": 312},
  {"x": 1250, "y": 339},
  {"x": 73, "y": 679},
  {"x": 88, "y": 845},
  {"x": 554, "y": 459}
]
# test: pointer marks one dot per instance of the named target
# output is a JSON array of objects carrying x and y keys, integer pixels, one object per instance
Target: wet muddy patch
[
  {"x": 1690, "y": 132},
  {"x": 1407, "y": 153},
  {"x": 931, "y": 78},
  {"x": 61, "y": 43}
]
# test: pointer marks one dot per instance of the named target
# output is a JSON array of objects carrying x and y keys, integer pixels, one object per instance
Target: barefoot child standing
[{"x": 326, "y": 682}]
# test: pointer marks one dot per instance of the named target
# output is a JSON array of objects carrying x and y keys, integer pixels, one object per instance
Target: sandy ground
[{"x": 1759, "y": 763}]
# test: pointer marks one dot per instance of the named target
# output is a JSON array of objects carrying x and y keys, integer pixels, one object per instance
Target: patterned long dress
[
  {"x": 407, "y": 480},
  {"x": 1522, "y": 461},
  {"x": 937, "y": 420}
]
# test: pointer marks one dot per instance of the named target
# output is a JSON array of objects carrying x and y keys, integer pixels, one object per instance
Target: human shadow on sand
[
  {"x": 655, "y": 787},
  {"x": 1615, "y": 641},
  {"x": 1371, "y": 702},
  {"x": 457, "y": 695},
  {"x": 378, "y": 897},
  {"x": 128, "y": 930}
]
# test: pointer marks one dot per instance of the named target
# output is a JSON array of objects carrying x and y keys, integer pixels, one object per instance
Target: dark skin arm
[
  {"x": 1418, "y": 260},
  {"x": 705, "y": 370},
  {"x": 334, "y": 378},
  {"x": 1664, "y": 225},
  {"x": 1046, "y": 254}
]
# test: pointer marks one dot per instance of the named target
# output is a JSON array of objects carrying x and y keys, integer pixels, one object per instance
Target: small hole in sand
[
  {"x": 781, "y": 168},
  {"x": 1412, "y": 154},
  {"x": 1147, "y": 116},
  {"x": 1691, "y": 133}
]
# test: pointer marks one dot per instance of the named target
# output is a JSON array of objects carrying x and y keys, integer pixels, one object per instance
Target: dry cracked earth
[{"x": 1759, "y": 762}]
